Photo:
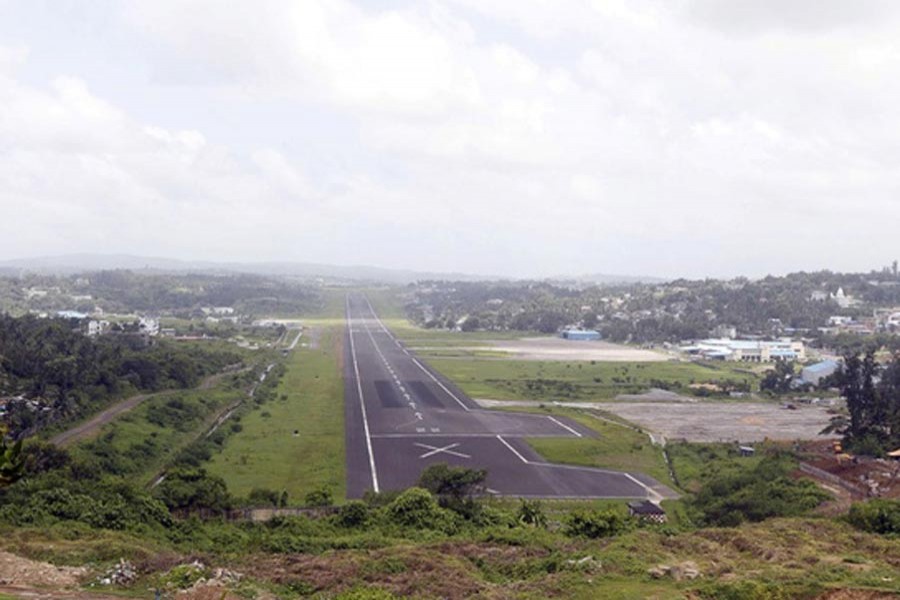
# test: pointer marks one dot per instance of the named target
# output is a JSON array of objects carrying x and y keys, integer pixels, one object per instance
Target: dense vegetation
[
  {"x": 643, "y": 312},
  {"x": 872, "y": 425},
  {"x": 123, "y": 291},
  {"x": 68, "y": 375}
]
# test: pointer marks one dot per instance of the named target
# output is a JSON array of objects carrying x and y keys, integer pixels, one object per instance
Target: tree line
[{"x": 62, "y": 374}]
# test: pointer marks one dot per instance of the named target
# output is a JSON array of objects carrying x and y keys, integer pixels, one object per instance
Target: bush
[
  {"x": 876, "y": 516},
  {"x": 353, "y": 514},
  {"x": 730, "y": 498},
  {"x": 596, "y": 523},
  {"x": 263, "y": 497},
  {"x": 193, "y": 489},
  {"x": 531, "y": 512},
  {"x": 319, "y": 497},
  {"x": 417, "y": 508}
]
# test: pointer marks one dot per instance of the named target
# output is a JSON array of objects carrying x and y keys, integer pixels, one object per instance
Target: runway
[{"x": 402, "y": 416}]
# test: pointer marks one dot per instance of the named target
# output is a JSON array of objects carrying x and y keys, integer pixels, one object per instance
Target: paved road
[{"x": 402, "y": 416}]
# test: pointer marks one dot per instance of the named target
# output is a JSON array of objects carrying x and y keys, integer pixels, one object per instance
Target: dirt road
[{"x": 90, "y": 427}]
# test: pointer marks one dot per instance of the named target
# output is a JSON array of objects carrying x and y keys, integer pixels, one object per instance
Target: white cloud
[{"x": 426, "y": 132}]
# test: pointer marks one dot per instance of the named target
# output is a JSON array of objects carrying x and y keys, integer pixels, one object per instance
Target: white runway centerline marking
[{"x": 448, "y": 449}]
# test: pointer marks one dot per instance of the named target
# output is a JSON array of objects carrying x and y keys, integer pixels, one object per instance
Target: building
[
  {"x": 95, "y": 327},
  {"x": 582, "y": 335},
  {"x": 814, "y": 374},
  {"x": 647, "y": 511},
  {"x": 747, "y": 350},
  {"x": 149, "y": 326}
]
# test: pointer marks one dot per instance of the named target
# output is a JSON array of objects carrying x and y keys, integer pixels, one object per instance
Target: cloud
[{"x": 463, "y": 135}]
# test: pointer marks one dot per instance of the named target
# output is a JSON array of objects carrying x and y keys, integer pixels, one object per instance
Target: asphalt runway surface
[{"x": 402, "y": 416}]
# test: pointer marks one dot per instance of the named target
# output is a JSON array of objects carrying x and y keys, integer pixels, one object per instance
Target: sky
[{"x": 524, "y": 138}]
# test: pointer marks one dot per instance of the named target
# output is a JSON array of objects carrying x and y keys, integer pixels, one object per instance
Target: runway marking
[
  {"x": 441, "y": 385},
  {"x": 513, "y": 450},
  {"x": 440, "y": 433},
  {"x": 418, "y": 364},
  {"x": 443, "y": 450},
  {"x": 564, "y": 426},
  {"x": 362, "y": 404},
  {"x": 651, "y": 493}
]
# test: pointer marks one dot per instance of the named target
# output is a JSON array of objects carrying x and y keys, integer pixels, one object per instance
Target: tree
[
  {"x": 455, "y": 487},
  {"x": 779, "y": 379},
  {"x": 873, "y": 404},
  {"x": 12, "y": 462}
]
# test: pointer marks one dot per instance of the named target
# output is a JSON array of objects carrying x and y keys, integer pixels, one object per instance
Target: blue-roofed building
[
  {"x": 582, "y": 335},
  {"x": 814, "y": 374}
]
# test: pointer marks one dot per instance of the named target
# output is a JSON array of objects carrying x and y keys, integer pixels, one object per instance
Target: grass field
[
  {"x": 577, "y": 381},
  {"x": 617, "y": 447},
  {"x": 309, "y": 400}
]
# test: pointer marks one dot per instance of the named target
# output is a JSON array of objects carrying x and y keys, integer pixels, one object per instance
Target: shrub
[
  {"x": 319, "y": 497},
  {"x": 417, "y": 508},
  {"x": 730, "y": 498},
  {"x": 263, "y": 497},
  {"x": 876, "y": 516},
  {"x": 353, "y": 514},
  {"x": 596, "y": 523},
  {"x": 192, "y": 489},
  {"x": 531, "y": 512}
]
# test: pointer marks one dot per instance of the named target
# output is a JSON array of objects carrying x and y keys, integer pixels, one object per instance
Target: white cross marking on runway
[{"x": 432, "y": 450}]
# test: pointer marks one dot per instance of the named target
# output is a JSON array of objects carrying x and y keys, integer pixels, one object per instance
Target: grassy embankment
[
  {"x": 266, "y": 453},
  {"x": 143, "y": 441}
]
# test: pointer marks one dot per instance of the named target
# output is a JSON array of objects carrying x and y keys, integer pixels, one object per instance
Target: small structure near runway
[{"x": 647, "y": 511}]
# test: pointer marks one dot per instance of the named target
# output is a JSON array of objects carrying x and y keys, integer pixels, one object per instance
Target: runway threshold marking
[
  {"x": 432, "y": 450},
  {"x": 564, "y": 426},
  {"x": 362, "y": 404}
]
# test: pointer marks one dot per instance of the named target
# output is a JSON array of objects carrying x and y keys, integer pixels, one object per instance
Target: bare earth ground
[
  {"x": 709, "y": 421},
  {"x": 548, "y": 348}
]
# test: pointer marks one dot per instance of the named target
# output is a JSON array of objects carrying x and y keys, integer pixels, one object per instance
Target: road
[
  {"x": 90, "y": 427},
  {"x": 403, "y": 416}
]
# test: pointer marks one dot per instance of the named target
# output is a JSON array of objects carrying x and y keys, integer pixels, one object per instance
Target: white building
[
  {"x": 747, "y": 350},
  {"x": 148, "y": 325}
]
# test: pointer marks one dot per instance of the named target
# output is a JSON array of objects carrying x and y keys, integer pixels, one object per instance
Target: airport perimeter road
[{"x": 402, "y": 416}]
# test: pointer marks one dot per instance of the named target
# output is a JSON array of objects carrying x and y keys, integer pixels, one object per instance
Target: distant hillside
[{"x": 75, "y": 263}]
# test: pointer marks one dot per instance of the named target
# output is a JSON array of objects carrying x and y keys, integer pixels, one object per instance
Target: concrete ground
[
  {"x": 711, "y": 421},
  {"x": 402, "y": 416}
]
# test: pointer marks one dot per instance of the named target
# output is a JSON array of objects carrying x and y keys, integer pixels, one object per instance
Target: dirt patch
[{"x": 19, "y": 571}]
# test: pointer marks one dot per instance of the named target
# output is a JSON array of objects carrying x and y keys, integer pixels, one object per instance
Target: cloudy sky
[{"x": 514, "y": 137}]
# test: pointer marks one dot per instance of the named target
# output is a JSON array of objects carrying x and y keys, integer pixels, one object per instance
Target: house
[
  {"x": 149, "y": 326},
  {"x": 95, "y": 327},
  {"x": 647, "y": 511},
  {"x": 580, "y": 335},
  {"x": 746, "y": 451}
]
